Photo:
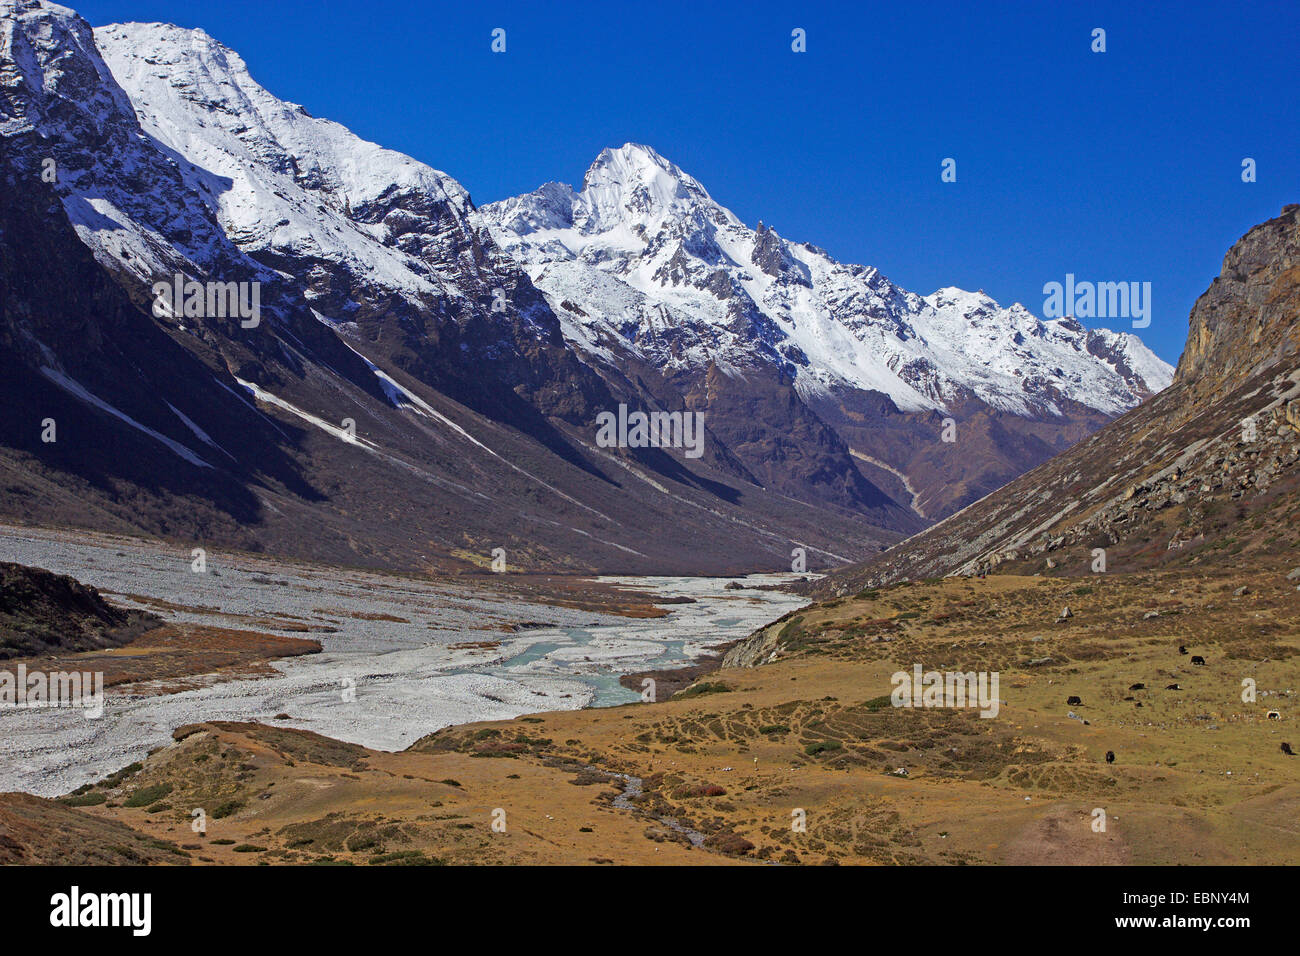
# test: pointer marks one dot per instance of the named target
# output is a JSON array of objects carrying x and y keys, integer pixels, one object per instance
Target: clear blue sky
[{"x": 1123, "y": 165}]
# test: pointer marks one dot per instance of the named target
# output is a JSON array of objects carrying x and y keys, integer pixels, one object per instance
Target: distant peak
[
  {"x": 634, "y": 184},
  {"x": 639, "y": 151},
  {"x": 631, "y": 163},
  {"x": 967, "y": 301}
]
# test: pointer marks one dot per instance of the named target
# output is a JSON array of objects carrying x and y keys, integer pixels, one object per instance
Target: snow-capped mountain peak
[
  {"x": 284, "y": 183},
  {"x": 692, "y": 284},
  {"x": 635, "y": 186}
]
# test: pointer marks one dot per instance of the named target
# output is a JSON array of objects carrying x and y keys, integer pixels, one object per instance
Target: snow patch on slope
[
  {"x": 76, "y": 389},
  {"x": 342, "y": 434},
  {"x": 278, "y": 179}
]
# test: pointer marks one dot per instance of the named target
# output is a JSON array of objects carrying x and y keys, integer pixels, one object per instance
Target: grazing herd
[{"x": 1198, "y": 660}]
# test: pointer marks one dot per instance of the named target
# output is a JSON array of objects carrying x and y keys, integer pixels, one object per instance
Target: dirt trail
[{"x": 1066, "y": 838}]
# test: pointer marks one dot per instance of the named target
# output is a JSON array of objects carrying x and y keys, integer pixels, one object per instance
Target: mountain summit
[
  {"x": 640, "y": 218},
  {"x": 643, "y": 266}
]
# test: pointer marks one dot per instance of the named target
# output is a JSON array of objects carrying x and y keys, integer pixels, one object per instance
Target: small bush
[
  {"x": 700, "y": 690},
  {"x": 732, "y": 844},
  {"x": 227, "y": 808},
  {"x": 115, "y": 779},
  {"x": 363, "y": 841},
  {"x": 405, "y": 858},
  {"x": 699, "y": 790},
  {"x": 83, "y": 799},
  {"x": 147, "y": 795},
  {"x": 822, "y": 746}
]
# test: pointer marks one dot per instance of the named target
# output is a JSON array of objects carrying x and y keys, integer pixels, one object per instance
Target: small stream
[{"x": 633, "y": 788}]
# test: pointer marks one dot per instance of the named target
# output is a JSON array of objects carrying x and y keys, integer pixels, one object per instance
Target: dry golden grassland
[{"x": 745, "y": 754}]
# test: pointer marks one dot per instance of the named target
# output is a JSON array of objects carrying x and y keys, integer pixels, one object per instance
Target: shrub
[
  {"x": 700, "y": 690},
  {"x": 147, "y": 795},
  {"x": 822, "y": 746},
  {"x": 699, "y": 790},
  {"x": 115, "y": 779},
  {"x": 732, "y": 844},
  {"x": 83, "y": 799},
  {"x": 363, "y": 841},
  {"x": 227, "y": 808}
]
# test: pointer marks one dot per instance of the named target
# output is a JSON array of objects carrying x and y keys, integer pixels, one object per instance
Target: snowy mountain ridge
[
  {"x": 654, "y": 264},
  {"x": 284, "y": 183}
]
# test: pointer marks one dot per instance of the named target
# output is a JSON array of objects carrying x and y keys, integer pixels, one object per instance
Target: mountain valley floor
[{"x": 802, "y": 759}]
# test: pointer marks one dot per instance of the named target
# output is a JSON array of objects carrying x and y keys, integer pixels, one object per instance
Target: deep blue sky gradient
[{"x": 1117, "y": 166}]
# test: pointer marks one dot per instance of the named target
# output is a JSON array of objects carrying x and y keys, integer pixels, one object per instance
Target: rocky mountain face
[
  {"x": 1202, "y": 474},
  {"x": 644, "y": 268},
  {"x": 422, "y": 380},
  {"x": 1245, "y": 322}
]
